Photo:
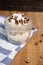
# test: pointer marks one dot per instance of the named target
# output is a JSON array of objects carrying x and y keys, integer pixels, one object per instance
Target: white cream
[
  {"x": 12, "y": 21},
  {"x": 19, "y": 37}
]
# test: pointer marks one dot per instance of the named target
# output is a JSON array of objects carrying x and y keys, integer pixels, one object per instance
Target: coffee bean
[
  {"x": 40, "y": 40},
  {"x": 27, "y": 19},
  {"x": 41, "y": 57},
  {"x": 36, "y": 43},
  {"x": 41, "y": 34},
  {"x": 27, "y": 60}
]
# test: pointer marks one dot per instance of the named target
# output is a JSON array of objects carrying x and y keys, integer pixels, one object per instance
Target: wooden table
[{"x": 34, "y": 47}]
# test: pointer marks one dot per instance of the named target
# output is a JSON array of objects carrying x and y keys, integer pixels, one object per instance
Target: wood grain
[{"x": 31, "y": 50}]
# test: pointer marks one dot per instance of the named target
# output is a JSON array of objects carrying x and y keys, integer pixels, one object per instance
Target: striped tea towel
[{"x": 7, "y": 49}]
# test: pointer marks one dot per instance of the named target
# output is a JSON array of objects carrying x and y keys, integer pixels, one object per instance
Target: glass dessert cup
[{"x": 18, "y": 34}]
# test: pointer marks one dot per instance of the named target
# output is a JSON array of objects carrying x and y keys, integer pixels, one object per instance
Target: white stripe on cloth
[
  {"x": 2, "y": 56},
  {"x": 12, "y": 54},
  {"x": 2, "y": 63},
  {"x": 7, "y": 45},
  {"x": 2, "y": 19},
  {"x": 2, "y": 31}
]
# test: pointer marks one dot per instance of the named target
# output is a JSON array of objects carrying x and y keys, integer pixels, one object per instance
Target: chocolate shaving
[
  {"x": 16, "y": 17},
  {"x": 21, "y": 21},
  {"x": 11, "y": 17},
  {"x": 16, "y": 22}
]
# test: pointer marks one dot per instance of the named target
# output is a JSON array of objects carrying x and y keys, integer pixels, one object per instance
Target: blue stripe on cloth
[
  {"x": 6, "y": 61},
  {"x": 2, "y": 25},
  {"x": 4, "y": 51},
  {"x": 3, "y": 37},
  {"x": 18, "y": 49}
]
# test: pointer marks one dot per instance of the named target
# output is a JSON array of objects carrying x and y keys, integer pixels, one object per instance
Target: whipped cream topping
[{"x": 17, "y": 18}]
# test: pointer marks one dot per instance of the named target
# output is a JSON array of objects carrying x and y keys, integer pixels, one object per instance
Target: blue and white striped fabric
[{"x": 7, "y": 49}]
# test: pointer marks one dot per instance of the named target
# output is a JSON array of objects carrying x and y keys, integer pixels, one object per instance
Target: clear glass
[{"x": 18, "y": 35}]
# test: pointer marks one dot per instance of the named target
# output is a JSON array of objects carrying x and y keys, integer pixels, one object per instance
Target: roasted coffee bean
[
  {"x": 36, "y": 43},
  {"x": 27, "y": 60},
  {"x": 40, "y": 40},
  {"x": 27, "y": 19},
  {"x": 41, "y": 34},
  {"x": 41, "y": 57}
]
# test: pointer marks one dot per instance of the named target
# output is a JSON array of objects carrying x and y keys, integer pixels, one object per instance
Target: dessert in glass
[{"x": 18, "y": 27}]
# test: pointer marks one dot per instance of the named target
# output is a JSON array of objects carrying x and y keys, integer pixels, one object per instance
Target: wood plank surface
[{"x": 31, "y": 49}]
